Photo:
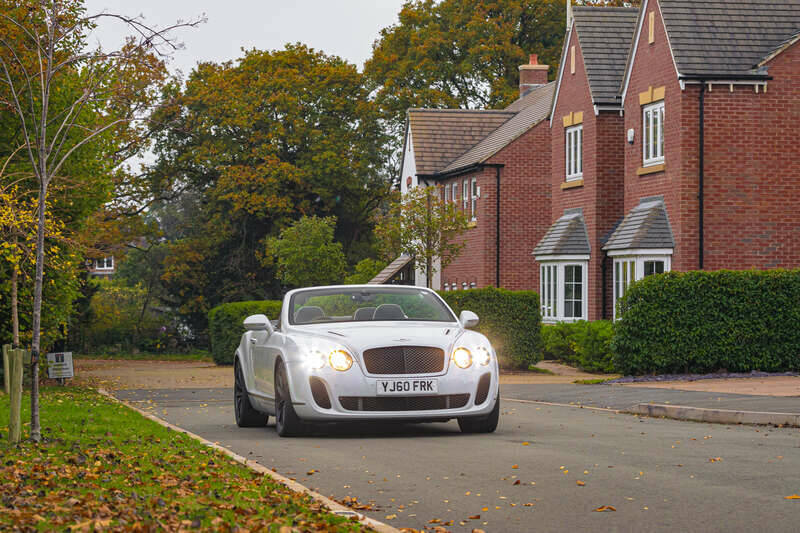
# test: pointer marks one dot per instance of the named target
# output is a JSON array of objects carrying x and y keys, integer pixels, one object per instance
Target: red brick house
[
  {"x": 644, "y": 184},
  {"x": 488, "y": 162},
  {"x": 587, "y": 133}
]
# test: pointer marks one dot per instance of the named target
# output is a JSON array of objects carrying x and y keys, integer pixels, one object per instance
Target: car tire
[
  {"x": 246, "y": 414},
  {"x": 482, "y": 424},
  {"x": 287, "y": 423}
]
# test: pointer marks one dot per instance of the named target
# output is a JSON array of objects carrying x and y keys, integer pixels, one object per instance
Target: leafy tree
[
  {"x": 249, "y": 147},
  {"x": 463, "y": 53},
  {"x": 65, "y": 96},
  {"x": 307, "y": 255},
  {"x": 425, "y": 227},
  {"x": 364, "y": 271}
]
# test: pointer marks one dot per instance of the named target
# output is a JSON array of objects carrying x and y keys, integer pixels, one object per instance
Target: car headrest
[
  {"x": 304, "y": 315},
  {"x": 364, "y": 313},
  {"x": 389, "y": 312}
]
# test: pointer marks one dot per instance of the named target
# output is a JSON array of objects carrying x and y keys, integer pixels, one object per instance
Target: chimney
[{"x": 532, "y": 75}]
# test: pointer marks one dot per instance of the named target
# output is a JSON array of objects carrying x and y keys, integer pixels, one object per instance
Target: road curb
[
  {"x": 332, "y": 505},
  {"x": 716, "y": 416},
  {"x": 573, "y": 405}
]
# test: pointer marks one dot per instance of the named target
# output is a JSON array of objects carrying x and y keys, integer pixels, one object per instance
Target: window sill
[
  {"x": 572, "y": 184},
  {"x": 652, "y": 169},
  {"x": 472, "y": 224}
]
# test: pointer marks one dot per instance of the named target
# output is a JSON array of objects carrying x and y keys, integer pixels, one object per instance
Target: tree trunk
[
  {"x": 14, "y": 303},
  {"x": 36, "y": 431}
]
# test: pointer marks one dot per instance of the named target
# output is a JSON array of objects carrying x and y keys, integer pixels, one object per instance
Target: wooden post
[
  {"x": 6, "y": 375},
  {"x": 15, "y": 421}
]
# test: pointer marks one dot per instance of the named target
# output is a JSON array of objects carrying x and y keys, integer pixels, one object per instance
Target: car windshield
[{"x": 366, "y": 305}]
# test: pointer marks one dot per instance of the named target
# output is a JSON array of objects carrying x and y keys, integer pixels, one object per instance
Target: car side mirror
[
  {"x": 468, "y": 319},
  {"x": 258, "y": 323}
]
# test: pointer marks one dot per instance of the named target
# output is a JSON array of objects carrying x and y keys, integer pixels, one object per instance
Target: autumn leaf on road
[
  {"x": 605, "y": 508},
  {"x": 715, "y": 460},
  {"x": 792, "y": 497},
  {"x": 580, "y": 483},
  {"x": 475, "y": 517}
]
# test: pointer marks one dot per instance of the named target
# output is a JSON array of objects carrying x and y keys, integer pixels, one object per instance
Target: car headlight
[
  {"x": 316, "y": 359},
  {"x": 462, "y": 357},
  {"x": 340, "y": 360},
  {"x": 482, "y": 355}
]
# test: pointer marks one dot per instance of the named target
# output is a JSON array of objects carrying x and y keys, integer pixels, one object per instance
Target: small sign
[{"x": 59, "y": 365}]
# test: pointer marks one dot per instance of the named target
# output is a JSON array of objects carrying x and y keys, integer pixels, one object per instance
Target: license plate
[{"x": 405, "y": 387}]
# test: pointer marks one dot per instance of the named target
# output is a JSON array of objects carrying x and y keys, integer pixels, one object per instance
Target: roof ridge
[{"x": 454, "y": 111}]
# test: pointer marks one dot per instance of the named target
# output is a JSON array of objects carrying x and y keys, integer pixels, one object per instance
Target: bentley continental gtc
[{"x": 365, "y": 352}]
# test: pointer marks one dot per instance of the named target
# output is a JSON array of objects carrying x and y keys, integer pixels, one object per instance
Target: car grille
[
  {"x": 404, "y": 360},
  {"x": 403, "y": 403}
]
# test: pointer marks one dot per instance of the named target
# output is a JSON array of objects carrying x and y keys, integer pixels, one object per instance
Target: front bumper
[{"x": 453, "y": 382}]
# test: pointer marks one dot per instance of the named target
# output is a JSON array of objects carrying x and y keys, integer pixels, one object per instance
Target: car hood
[{"x": 362, "y": 336}]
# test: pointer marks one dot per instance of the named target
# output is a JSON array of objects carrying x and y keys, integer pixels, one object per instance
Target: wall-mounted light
[{"x": 630, "y": 136}]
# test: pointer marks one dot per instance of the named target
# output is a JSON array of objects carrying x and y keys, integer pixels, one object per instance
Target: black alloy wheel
[
  {"x": 287, "y": 423},
  {"x": 246, "y": 414}
]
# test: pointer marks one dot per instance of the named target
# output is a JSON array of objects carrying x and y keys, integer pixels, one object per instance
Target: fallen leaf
[
  {"x": 391, "y": 516},
  {"x": 475, "y": 517},
  {"x": 580, "y": 483},
  {"x": 435, "y": 521},
  {"x": 715, "y": 459},
  {"x": 526, "y": 443},
  {"x": 517, "y": 482},
  {"x": 529, "y": 504},
  {"x": 792, "y": 497},
  {"x": 604, "y": 508},
  {"x": 515, "y": 466}
]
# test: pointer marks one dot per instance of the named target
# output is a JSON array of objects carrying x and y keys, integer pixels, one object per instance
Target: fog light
[
  {"x": 340, "y": 360},
  {"x": 462, "y": 358}
]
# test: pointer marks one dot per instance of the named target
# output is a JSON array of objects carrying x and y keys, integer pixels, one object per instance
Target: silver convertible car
[{"x": 365, "y": 352}]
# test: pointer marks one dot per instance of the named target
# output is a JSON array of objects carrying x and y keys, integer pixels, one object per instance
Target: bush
[
  {"x": 510, "y": 319},
  {"x": 225, "y": 326},
  {"x": 586, "y": 345},
  {"x": 710, "y": 321}
]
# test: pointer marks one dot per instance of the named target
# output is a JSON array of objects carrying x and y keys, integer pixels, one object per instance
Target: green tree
[
  {"x": 364, "y": 271},
  {"x": 306, "y": 254},
  {"x": 249, "y": 147},
  {"x": 423, "y": 226}
]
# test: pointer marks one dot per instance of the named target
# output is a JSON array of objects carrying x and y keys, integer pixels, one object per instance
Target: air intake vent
[
  {"x": 483, "y": 389},
  {"x": 319, "y": 392}
]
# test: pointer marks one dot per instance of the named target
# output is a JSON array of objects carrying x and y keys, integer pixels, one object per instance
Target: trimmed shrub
[
  {"x": 510, "y": 319},
  {"x": 708, "y": 321},
  {"x": 586, "y": 345},
  {"x": 225, "y": 326}
]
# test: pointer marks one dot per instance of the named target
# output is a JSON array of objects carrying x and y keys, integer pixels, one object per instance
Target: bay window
[
  {"x": 629, "y": 268},
  {"x": 562, "y": 289}
]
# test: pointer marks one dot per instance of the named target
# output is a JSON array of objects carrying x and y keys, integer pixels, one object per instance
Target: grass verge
[
  {"x": 592, "y": 381},
  {"x": 104, "y": 466},
  {"x": 536, "y": 370},
  {"x": 195, "y": 355}
]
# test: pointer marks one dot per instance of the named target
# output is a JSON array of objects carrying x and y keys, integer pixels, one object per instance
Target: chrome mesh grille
[
  {"x": 403, "y": 403},
  {"x": 404, "y": 360}
]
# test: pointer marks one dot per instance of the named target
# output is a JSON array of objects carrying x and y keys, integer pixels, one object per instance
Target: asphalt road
[{"x": 659, "y": 475}]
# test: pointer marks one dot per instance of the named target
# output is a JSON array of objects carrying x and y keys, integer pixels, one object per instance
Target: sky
[{"x": 346, "y": 28}]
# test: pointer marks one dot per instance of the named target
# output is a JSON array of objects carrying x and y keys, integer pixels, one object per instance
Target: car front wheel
[
  {"x": 482, "y": 424},
  {"x": 287, "y": 423},
  {"x": 246, "y": 415}
]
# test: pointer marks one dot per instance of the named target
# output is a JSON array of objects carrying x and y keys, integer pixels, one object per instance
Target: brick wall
[
  {"x": 525, "y": 215},
  {"x": 600, "y": 197},
  {"x": 752, "y": 172}
]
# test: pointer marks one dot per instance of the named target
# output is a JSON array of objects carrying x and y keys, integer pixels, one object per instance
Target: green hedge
[
  {"x": 510, "y": 319},
  {"x": 225, "y": 326},
  {"x": 586, "y": 345},
  {"x": 710, "y": 321}
]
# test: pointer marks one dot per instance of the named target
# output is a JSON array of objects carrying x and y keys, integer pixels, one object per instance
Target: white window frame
[
  {"x": 465, "y": 195},
  {"x": 107, "y": 262},
  {"x": 574, "y": 152},
  {"x": 474, "y": 204},
  {"x": 653, "y": 134},
  {"x": 552, "y": 288},
  {"x": 446, "y": 194},
  {"x": 629, "y": 267},
  {"x": 455, "y": 192}
]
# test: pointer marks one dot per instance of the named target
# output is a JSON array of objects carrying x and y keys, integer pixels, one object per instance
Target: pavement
[{"x": 547, "y": 468}]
